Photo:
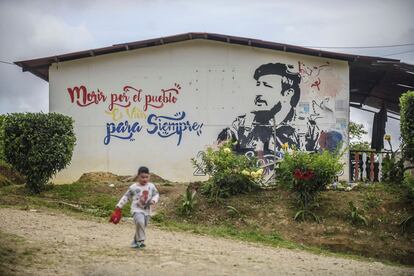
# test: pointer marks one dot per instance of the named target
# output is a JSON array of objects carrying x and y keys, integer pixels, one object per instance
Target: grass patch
[
  {"x": 96, "y": 199},
  {"x": 254, "y": 236},
  {"x": 228, "y": 231},
  {"x": 264, "y": 217},
  {"x": 14, "y": 254}
]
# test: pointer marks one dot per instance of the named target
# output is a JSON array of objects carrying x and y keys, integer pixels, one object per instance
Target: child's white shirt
[{"x": 140, "y": 195}]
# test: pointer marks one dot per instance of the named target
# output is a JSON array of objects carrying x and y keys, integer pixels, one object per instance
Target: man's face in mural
[
  {"x": 268, "y": 92},
  {"x": 270, "y": 95}
]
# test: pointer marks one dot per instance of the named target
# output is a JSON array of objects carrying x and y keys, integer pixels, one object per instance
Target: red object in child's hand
[{"x": 116, "y": 216}]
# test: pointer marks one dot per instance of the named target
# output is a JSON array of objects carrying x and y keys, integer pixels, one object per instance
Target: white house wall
[{"x": 214, "y": 85}]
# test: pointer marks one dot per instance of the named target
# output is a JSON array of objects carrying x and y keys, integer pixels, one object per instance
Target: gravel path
[{"x": 75, "y": 246}]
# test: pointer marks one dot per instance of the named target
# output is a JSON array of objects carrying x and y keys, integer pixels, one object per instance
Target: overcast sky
[{"x": 31, "y": 29}]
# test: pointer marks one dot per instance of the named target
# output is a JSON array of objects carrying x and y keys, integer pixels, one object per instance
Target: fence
[{"x": 366, "y": 165}]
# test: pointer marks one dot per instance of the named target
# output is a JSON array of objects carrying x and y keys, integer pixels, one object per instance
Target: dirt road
[{"x": 73, "y": 246}]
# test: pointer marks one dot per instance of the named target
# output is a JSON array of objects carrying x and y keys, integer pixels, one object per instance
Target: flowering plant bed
[{"x": 306, "y": 174}]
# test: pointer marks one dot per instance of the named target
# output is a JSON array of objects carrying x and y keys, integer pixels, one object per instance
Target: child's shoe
[
  {"x": 134, "y": 244},
  {"x": 141, "y": 244}
]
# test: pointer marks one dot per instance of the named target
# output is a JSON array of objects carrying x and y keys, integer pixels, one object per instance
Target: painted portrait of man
[{"x": 274, "y": 100}]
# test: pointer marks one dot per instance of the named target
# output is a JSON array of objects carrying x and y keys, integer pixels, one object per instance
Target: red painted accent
[
  {"x": 82, "y": 97},
  {"x": 316, "y": 84}
]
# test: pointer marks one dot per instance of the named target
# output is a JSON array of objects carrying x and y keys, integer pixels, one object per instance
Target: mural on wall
[
  {"x": 128, "y": 108},
  {"x": 276, "y": 101},
  {"x": 288, "y": 106}
]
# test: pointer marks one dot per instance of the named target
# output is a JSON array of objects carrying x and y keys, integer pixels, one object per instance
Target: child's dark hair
[{"x": 143, "y": 169}]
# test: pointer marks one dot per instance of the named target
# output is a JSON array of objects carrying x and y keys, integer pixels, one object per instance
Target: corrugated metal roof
[{"x": 40, "y": 66}]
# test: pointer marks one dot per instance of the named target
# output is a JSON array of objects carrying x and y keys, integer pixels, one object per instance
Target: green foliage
[
  {"x": 360, "y": 145},
  {"x": 355, "y": 133},
  {"x": 392, "y": 168},
  {"x": 302, "y": 214},
  {"x": 4, "y": 181},
  {"x": 407, "y": 125},
  {"x": 38, "y": 145},
  {"x": 406, "y": 223},
  {"x": 235, "y": 213},
  {"x": 2, "y": 117},
  {"x": 159, "y": 217},
  {"x": 307, "y": 174},
  {"x": 371, "y": 201},
  {"x": 232, "y": 211},
  {"x": 356, "y": 130},
  {"x": 356, "y": 215},
  {"x": 230, "y": 173},
  {"x": 229, "y": 231},
  {"x": 188, "y": 202},
  {"x": 408, "y": 184}
]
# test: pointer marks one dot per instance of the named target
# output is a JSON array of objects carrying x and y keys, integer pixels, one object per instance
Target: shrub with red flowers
[
  {"x": 303, "y": 175},
  {"x": 307, "y": 174}
]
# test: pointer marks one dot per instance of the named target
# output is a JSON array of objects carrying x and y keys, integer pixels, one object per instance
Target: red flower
[
  {"x": 297, "y": 174},
  {"x": 307, "y": 175}
]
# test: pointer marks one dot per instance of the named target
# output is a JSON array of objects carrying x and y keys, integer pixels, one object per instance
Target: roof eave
[{"x": 34, "y": 64}]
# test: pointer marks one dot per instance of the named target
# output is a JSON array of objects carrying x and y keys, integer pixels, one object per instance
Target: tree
[
  {"x": 407, "y": 125},
  {"x": 407, "y": 135},
  {"x": 355, "y": 133},
  {"x": 38, "y": 145}
]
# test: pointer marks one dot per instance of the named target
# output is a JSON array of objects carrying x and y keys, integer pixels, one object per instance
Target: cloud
[
  {"x": 37, "y": 35},
  {"x": 58, "y": 35}
]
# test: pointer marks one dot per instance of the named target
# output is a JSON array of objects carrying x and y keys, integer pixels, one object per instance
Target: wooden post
[
  {"x": 356, "y": 167},
  {"x": 371, "y": 167},
  {"x": 364, "y": 166}
]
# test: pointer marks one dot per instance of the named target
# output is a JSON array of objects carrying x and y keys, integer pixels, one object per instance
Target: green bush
[
  {"x": 408, "y": 184},
  {"x": 392, "y": 168},
  {"x": 38, "y": 145},
  {"x": 2, "y": 117},
  {"x": 306, "y": 174},
  {"x": 230, "y": 173},
  {"x": 188, "y": 202},
  {"x": 407, "y": 125}
]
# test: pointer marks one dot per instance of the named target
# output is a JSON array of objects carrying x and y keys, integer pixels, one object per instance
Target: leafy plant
[
  {"x": 38, "y": 145},
  {"x": 392, "y": 164},
  {"x": 230, "y": 173},
  {"x": 232, "y": 211},
  {"x": 371, "y": 201},
  {"x": 408, "y": 184},
  {"x": 302, "y": 214},
  {"x": 407, "y": 222},
  {"x": 407, "y": 125},
  {"x": 158, "y": 217},
  {"x": 307, "y": 174},
  {"x": 188, "y": 202},
  {"x": 392, "y": 168},
  {"x": 356, "y": 215}
]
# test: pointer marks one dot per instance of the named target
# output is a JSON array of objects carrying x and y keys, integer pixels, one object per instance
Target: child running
[{"x": 144, "y": 194}]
